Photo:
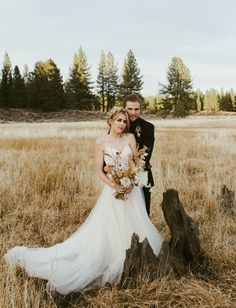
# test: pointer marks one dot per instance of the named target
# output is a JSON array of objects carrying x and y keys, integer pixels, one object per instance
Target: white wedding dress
[{"x": 95, "y": 253}]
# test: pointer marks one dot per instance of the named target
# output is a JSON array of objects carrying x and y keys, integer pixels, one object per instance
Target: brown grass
[{"x": 48, "y": 186}]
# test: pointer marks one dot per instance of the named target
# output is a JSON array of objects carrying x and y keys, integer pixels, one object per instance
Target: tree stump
[
  {"x": 184, "y": 244},
  {"x": 178, "y": 255},
  {"x": 141, "y": 262},
  {"x": 226, "y": 200}
]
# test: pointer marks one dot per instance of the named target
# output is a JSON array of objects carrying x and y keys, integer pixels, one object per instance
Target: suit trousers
[{"x": 147, "y": 197}]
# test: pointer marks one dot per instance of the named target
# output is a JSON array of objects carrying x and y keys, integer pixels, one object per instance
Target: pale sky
[{"x": 202, "y": 33}]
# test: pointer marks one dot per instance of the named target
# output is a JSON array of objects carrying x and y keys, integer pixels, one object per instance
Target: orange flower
[
  {"x": 108, "y": 169},
  {"x": 119, "y": 174}
]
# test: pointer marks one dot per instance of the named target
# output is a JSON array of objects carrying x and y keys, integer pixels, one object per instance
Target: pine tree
[
  {"x": 131, "y": 80},
  {"x": 151, "y": 104},
  {"x": 111, "y": 89},
  {"x": 233, "y": 98},
  {"x": 199, "y": 100},
  {"x": 225, "y": 101},
  {"x": 55, "y": 86},
  {"x": 18, "y": 89},
  {"x": 107, "y": 81},
  {"x": 221, "y": 97},
  {"x": 228, "y": 103},
  {"x": 6, "y": 82},
  {"x": 78, "y": 87},
  {"x": 46, "y": 87},
  {"x": 177, "y": 93},
  {"x": 26, "y": 73},
  {"x": 27, "y": 81},
  {"x": 211, "y": 100},
  {"x": 101, "y": 80}
]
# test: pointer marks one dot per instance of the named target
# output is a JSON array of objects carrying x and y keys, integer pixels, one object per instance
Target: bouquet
[{"x": 127, "y": 173}]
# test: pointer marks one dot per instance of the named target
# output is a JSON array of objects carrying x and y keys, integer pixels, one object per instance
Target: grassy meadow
[{"x": 48, "y": 185}]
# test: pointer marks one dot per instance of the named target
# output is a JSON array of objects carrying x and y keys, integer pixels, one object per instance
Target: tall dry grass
[{"x": 48, "y": 185}]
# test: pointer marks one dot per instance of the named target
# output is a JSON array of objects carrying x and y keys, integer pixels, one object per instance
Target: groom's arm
[{"x": 148, "y": 141}]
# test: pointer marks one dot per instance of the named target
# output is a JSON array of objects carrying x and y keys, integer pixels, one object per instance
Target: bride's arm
[{"x": 99, "y": 157}]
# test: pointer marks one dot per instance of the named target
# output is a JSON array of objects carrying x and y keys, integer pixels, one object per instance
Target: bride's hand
[
  {"x": 128, "y": 190},
  {"x": 119, "y": 188}
]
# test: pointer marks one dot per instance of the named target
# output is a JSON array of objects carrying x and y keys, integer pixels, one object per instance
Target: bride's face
[{"x": 119, "y": 123}]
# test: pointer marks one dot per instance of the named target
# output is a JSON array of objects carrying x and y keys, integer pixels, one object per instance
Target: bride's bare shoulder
[{"x": 130, "y": 136}]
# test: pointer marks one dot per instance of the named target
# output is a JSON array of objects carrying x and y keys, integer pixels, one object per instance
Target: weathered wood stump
[
  {"x": 177, "y": 255},
  {"x": 141, "y": 262},
  {"x": 226, "y": 200},
  {"x": 184, "y": 244}
]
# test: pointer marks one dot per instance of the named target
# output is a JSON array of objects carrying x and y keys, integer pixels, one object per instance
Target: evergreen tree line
[
  {"x": 178, "y": 97},
  {"x": 44, "y": 89}
]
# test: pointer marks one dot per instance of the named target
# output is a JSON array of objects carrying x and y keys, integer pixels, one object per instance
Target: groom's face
[{"x": 133, "y": 109}]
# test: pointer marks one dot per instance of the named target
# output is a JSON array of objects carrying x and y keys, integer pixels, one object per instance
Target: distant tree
[
  {"x": 153, "y": 103},
  {"x": 233, "y": 98},
  {"x": 107, "y": 81},
  {"x": 199, "y": 100},
  {"x": 6, "y": 82},
  {"x": 78, "y": 87},
  {"x": 111, "y": 89},
  {"x": 177, "y": 93},
  {"x": 221, "y": 98},
  {"x": 211, "y": 100},
  {"x": 225, "y": 101},
  {"x": 27, "y": 81},
  {"x": 101, "y": 80},
  {"x": 131, "y": 79},
  {"x": 46, "y": 87},
  {"x": 18, "y": 89},
  {"x": 56, "y": 89},
  {"x": 26, "y": 73}
]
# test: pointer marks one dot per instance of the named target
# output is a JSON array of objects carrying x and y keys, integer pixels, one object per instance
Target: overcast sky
[{"x": 202, "y": 33}]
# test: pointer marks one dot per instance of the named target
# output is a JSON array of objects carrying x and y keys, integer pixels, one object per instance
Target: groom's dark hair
[{"x": 132, "y": 98}]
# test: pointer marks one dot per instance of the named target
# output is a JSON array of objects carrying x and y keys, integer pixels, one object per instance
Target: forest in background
[{"x": 43, "y": 89}]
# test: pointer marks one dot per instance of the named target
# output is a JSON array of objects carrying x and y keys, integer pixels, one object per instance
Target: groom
[{"x": 144, "y": 135}]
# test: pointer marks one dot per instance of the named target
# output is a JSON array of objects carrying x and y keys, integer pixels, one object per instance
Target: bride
[{"x": 95, "y": 253}]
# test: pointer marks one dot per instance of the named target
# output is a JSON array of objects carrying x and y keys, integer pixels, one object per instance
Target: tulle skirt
[{"x": 95, "y": 253}]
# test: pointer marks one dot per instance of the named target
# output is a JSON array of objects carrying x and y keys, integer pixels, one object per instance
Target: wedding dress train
[{"x": 95, "y": 253}]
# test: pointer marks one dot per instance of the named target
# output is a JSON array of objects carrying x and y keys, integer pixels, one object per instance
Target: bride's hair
[{"x": 114, "y": 112}]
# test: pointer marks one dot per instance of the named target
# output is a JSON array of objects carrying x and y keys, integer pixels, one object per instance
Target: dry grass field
[{"x": 48, "y": 185}]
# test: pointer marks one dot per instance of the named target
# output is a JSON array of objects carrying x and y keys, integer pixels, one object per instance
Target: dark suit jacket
[{"x": 143, "y": 132}]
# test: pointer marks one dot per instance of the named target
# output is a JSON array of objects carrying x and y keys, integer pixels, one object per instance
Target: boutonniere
[{"x": 138, "y": 131}]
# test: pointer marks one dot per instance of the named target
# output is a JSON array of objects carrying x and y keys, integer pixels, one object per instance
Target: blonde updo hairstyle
[{"x": 114, "y": 113}]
